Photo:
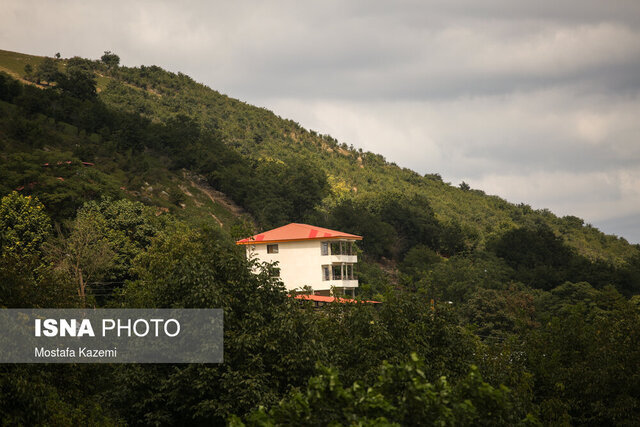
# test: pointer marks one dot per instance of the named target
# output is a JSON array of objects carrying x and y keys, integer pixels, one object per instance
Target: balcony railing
[
  {"x": 343, "y": 258},
  {"x": 353, "y": 283}
]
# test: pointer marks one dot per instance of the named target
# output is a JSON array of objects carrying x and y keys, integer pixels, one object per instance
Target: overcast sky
[{"x": 537, "y": 102}]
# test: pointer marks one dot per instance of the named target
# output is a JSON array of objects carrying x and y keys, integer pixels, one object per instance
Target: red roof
[
  {"x": 320, "y": 298},
  {"x": 293, "y": 232}
]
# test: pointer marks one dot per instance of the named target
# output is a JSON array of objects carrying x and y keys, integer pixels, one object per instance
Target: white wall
[{"x": 301, "y": 263}]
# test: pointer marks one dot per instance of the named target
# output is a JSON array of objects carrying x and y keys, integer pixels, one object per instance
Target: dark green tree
[
  {"x": 402, "y": 395},
  {"x": 47, "y": 71},
  {"x": 110, "y": 59},
  {"x": 540, "y": 258},
  {"x": 24, "y": 227},
  {"x": 353, "y": 217},
  {"x": 584, "y": 363},
  {"x": 9, "y": 87},
  {"x": 78, "y": 83},
  {"x": 28, "y": 72}
]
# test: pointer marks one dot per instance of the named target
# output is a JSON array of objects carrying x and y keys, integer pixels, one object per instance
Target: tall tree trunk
[{"x": 81, "y": 286}]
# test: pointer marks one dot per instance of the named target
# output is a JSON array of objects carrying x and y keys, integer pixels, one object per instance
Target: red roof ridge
[{"x": 297, "y": 231}]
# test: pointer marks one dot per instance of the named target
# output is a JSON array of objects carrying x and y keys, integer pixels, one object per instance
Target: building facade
[{"x": 308, "y": 256}]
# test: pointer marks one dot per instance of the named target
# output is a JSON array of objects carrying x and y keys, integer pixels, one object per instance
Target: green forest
[{"x": 127, "y": 187}]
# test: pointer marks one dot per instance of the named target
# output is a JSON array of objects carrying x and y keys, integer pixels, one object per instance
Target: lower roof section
[{"x": 320, "y": 298}]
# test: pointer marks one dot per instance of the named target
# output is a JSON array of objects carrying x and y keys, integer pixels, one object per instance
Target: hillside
[
  {"x": 258, "y": 133},
  {"x": 48, "y": 164},
  {"x": 127, "y": 188},
  {"x": 353, "y": 174}
]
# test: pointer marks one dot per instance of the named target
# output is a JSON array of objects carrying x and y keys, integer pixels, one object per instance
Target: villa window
[
  {"x": 272, "y": 249},
  {"x": 326, "y": 273},
  {"x": 324, "y": 248}
]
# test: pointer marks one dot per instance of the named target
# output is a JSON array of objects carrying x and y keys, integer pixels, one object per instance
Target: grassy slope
[
  {"x": 13, "y": 63},
  {"x": 110, "y": 175},
  {"x": 258, "y": 132}
]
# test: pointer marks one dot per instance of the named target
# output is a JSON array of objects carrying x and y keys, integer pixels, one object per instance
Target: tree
[
  {"x": 47, "y": 70},
  {"x": 78, "y": 83},
  {"x": 353, "y": 217},
  {"x": 359, "y": 337},
  {"x": 285, "y": 192},
  {"x": 493, "y": 312},
  {"x": 585, "y": 363},
  {"x": 459, "y": 278},
  {"x": 87, "y": 253},
  {"x": 24, "y": 227},
  {"x": 540, "y": 258},
  {"x": 9, "y": 88},
  {"x": 177, "y": 196},
  {"x": 419, "y": 260},
  {"x": 402, "y": 395},
  {"x": 110, "y": 59},
  {"x": 411, "y": 216},
  {"x": 28, "y": 72}
]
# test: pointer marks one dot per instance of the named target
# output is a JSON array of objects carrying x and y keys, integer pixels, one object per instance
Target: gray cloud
[{"x": 535, "y": 101}]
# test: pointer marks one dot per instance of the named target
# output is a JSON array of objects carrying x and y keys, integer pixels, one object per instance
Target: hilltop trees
[{"x": 110, "y": 59}]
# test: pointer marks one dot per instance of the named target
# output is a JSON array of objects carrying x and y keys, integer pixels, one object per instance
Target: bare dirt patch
[
  {"x": 19, "y": 77},
  {"x": 199, "y": 182}
]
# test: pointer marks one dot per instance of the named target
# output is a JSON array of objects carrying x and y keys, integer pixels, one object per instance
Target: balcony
[
  {"x": 339, "y": 276},
  {"x": 341, "y": 251},
  {"x": 347, "y": 283},
  {"x": 351, "y": 259}
]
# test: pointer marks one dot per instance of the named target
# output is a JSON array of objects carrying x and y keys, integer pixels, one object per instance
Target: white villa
[{"x": 308, "y": 256}]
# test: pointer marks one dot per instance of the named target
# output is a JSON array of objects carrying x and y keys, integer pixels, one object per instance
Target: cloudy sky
[{"x": 537, "y": 102}]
